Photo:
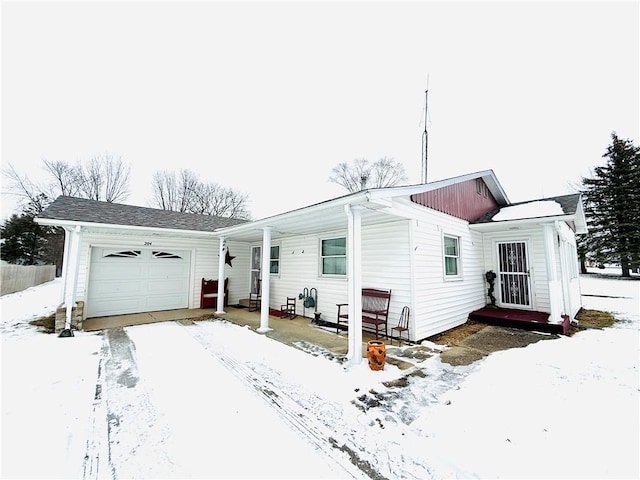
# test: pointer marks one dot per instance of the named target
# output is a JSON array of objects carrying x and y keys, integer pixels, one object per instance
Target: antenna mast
[{"x": 425, "y": 139}]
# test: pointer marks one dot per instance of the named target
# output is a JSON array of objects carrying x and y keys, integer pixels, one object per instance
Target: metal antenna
[{"x": 425, "y": 137}]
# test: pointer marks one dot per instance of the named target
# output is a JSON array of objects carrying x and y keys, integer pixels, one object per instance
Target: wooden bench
[
  {"x": 209, "y": 293},
  {"x": 375, "y": 311}
]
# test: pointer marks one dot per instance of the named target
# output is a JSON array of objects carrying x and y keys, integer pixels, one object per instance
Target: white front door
[
  {"x": 514, "y": 286},
  {"x": 256, "y": 263},
  {"x": 135, "y": 280}
]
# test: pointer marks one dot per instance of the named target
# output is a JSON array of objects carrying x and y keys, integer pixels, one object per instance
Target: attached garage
[{"x": 134, "y": 280}]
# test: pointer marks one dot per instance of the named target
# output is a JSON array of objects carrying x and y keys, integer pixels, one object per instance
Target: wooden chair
[
  {"x": 209, "y": 293},
  {"x": 255, "y": 298},
  {"x": 289, "y": 308},
  {"x": 403, "y": 325}
]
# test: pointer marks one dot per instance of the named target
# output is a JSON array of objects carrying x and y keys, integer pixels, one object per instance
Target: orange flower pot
[{"x": 376, "y": 354}]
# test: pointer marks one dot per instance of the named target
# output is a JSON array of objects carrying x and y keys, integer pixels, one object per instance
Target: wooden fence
[{"x": 16, "y": 278}]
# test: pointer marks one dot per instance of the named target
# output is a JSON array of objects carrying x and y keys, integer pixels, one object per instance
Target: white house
[{"x": 430, "y": 244}]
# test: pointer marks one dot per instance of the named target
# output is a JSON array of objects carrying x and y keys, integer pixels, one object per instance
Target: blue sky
[{"x": 267, "y": 97}]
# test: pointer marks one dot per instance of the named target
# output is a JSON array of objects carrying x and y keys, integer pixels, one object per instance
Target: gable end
[{"x": 467, "y": 200}]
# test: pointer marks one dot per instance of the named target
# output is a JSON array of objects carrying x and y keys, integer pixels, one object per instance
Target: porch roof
[{"x": 376, "y": 204}]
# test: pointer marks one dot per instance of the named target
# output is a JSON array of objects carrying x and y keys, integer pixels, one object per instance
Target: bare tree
[
  {"x": 65, "y": 179},
  {"x": 164, "y": 190},
  {"x": 116, "y": 179},
  {"x": 25, "y": 189},
  {"x": 175, "y": 192},
  {"x": 184, "y": 192},
  {"x": 105, "y": 177},
  {"x": 214, "y": 199},
  {"x": 92, "y": 180},
  {"x": 361, "y": 174}
]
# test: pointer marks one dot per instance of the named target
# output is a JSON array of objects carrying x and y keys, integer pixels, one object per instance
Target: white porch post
[
  {"x": 221, "y": 261},
  {"x": 354, "y": 282},
  {"x": 264, "y": 284},
  {"x": 70, "y": 290},
  {"x": 555, "y": 285}
]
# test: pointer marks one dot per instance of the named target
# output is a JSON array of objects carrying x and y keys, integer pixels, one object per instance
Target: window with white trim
[
  {"x": 451, "y": 252},
  {"x": 333, "y": 256},
  {"x": 274, "y": 260}
]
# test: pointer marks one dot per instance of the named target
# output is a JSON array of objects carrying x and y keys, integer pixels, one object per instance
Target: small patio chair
[
  {"x": 255, "y": 298},
  {"x": 288, "y": 309},
  {"x": 403, "y": 325}
]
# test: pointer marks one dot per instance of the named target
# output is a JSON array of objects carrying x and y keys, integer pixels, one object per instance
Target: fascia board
[
  {"x": 580, "y": 218},
  {"x": 110, "y": 226},
  {"x": 521, "y": 222},
  {"x": 354, "y": 199}
]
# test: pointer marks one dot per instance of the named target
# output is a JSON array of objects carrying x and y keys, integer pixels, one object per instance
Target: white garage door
[{"x": 125, "y": 280}]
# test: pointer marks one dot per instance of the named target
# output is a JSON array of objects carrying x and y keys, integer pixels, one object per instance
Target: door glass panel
[
  {"x": 514, "y": 274},
  {"x": 256, "y": 259}
]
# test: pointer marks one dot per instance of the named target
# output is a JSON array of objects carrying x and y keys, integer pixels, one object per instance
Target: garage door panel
[
  {"x": 116, "y": 306},
  {"x": 125, "y": 280},
  {"x": 165, "y": 286},
  {"x": 111, "y": 288},
  {"x": 170, "y": 271},
  {"x": 114, "y": 272}
]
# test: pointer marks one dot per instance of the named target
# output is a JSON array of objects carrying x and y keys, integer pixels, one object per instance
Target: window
[
  {"x": 164, "y": 255},
  {"x": 274, "y": 260},
  {"x": 334, "y": 256},
  {"x": 451, "y": 256},
  {"x": 121, "y": 253}
]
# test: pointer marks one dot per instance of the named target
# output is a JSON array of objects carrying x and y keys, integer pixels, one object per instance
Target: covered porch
[{"x": 527, "y": 319}]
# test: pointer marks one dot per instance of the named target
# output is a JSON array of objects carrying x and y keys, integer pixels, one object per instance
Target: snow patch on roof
[{"x": 540, "y": 208}]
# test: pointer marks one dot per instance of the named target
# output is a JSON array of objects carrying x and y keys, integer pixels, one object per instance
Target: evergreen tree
[
  {"x": 612, "y": 206},
  {"x": 24, "y": 242}
]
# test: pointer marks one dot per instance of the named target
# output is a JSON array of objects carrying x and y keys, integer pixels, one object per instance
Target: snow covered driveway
[{"x": 167, "y": 419}]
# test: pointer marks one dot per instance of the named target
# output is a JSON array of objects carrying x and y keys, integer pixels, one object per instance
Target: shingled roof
[
  {"x": 568, "y": 203},
  {"x": 82, "y": 210}
]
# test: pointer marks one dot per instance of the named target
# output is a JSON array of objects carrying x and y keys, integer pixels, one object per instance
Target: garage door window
[
  {"x": 121, "y": 253},
  {"x": 165, "y": 255}
]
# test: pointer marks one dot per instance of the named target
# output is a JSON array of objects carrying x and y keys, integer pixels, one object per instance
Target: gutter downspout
[
  {"x": 265, "y": 277},
  {"x": 70, "y": 291},
  {"x": 221, "y": 262},
  {"x": 354, "y": 283},
  {"x": 65, "y": 264}
]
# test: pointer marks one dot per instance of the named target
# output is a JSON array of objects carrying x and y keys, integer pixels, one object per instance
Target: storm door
[
  {"x": 256, "y": 262},
  {"x": 513, "y": 275}
]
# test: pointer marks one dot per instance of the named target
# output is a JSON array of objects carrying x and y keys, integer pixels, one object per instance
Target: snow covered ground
[{"x": 214, "y": 400}]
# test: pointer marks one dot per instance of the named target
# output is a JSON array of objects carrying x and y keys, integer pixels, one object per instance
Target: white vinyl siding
[
  {"x": 440, "y": 304},
  {"x": 385, "y": 264}
]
